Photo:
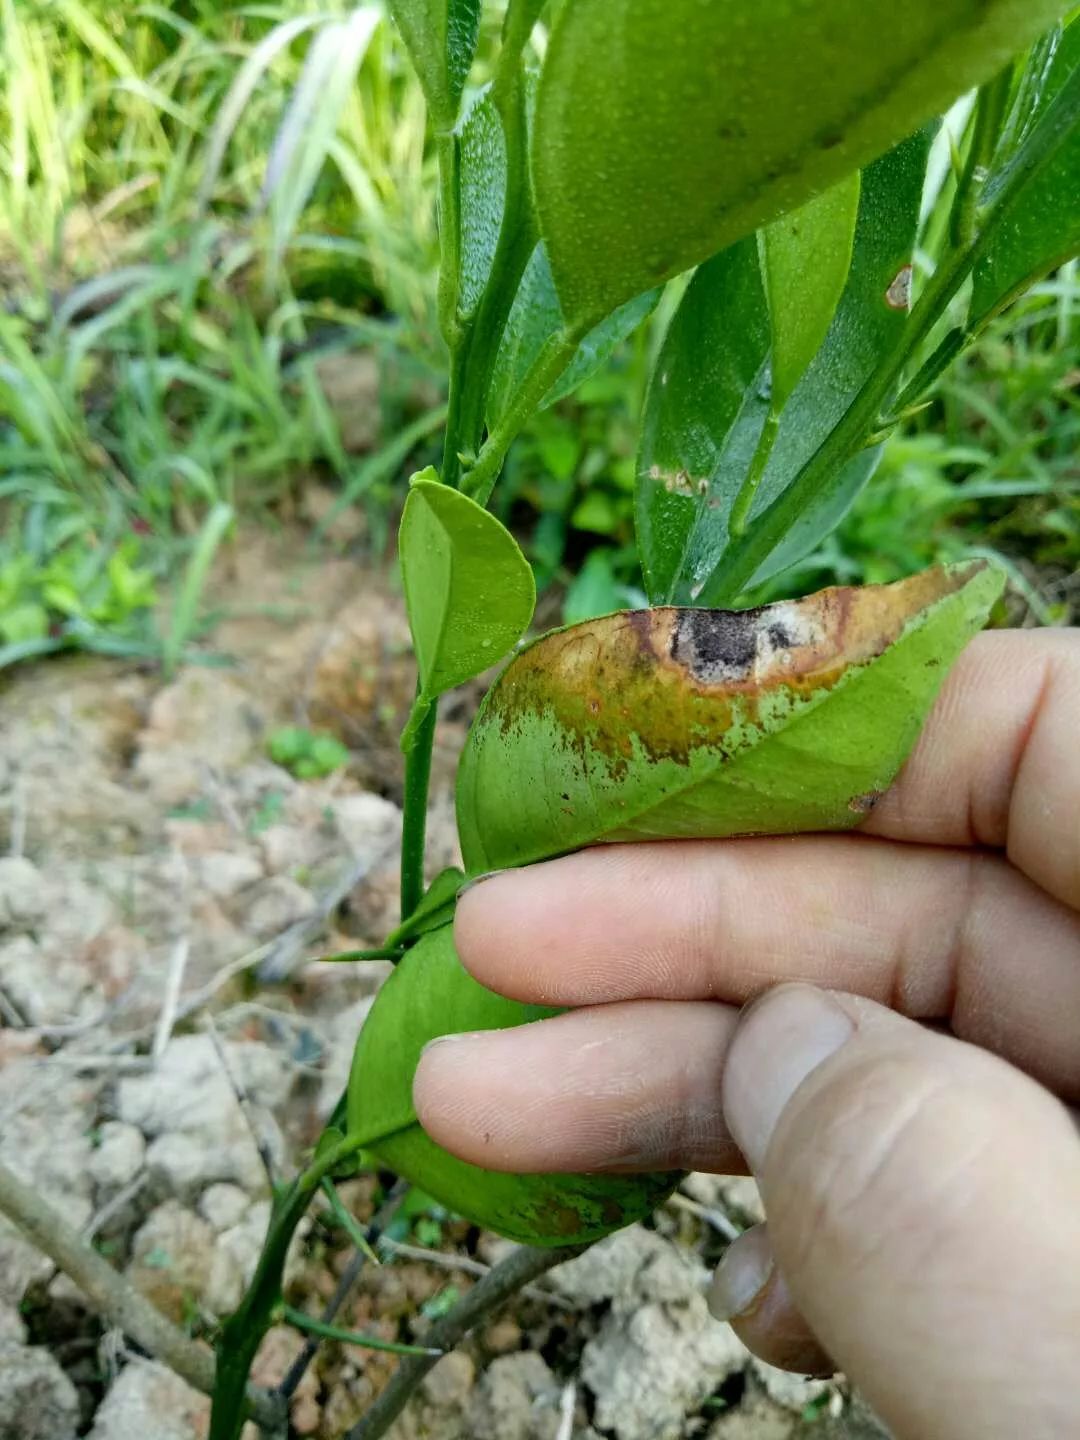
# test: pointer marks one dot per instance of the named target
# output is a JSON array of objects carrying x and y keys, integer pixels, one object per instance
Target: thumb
[{"x": 922, "y": 1200}]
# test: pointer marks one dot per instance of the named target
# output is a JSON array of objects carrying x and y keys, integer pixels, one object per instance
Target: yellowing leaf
[{"x": 665, "y": 723}]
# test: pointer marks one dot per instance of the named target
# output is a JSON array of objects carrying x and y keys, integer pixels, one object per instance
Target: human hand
[{"x": 922, "y": 1188}]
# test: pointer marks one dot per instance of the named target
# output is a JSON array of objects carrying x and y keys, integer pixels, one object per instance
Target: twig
[
  {"x": 286, "y": 949},
  {"x": 10, "y": 1012},
  {"x": 18, "y": 819},
  {"x": 716, "y": 1218},
  {"x": 111, "y": 1207},
  {"x": 174, "y": 979},
  {"x": 467, "y": 1266},
  {"x": 122, "y": 1305},
  {"x": 243, "y": 1101},
  {"x": 567, "y": 1405},
  {"x": 506, "y": 1279},
  {"x": 298, "y": 1369}
]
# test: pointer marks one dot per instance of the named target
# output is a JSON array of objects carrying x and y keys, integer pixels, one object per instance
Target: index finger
[{"x": 998, "y": 764}]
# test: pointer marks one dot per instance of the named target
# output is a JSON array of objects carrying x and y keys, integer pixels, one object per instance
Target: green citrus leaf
[
  {"x": 1041, "y": 228},
  {"x": 441, "y": 37},
  {"x": 431, "y": 994},
  {"x": 483, "y": 194},
  {"x": 535, "y": 318},
  {"x": 670, "y": 134},
  {"x": 709, "y": 396},
  {"x": 434, "y": 910},
  {"x": 657, "y": 724},
  {"x": 469, "y": 590},
  {"x": 806, "y": 258}
]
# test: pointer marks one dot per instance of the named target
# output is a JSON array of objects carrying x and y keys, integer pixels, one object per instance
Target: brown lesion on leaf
[
  {"x": 863, "y": 804},
  {"x": 669, "y": 680},
  {"x": 680, "y": 482}
]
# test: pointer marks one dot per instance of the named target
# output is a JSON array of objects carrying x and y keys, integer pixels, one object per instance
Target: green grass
[{"x": 199, "y": 203}]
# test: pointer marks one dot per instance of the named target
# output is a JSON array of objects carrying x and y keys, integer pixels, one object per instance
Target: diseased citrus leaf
[
  {"x": 535, "y": 318},
  {"x": 657, "y": 724},
  {"x": 709, "y": 395},
  {"x": 441, "y": 37},
  {"x": 469, "y": 590},
  {"x": 806, "y": 258},
  {"x": 1041, "y": 228},
  {"x": 670, "y": 133},
  {"x": 431, "y": 994}
]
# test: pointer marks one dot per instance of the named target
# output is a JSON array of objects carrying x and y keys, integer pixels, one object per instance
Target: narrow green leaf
[
  {"x": 304, "y": 139},
  {"x": 441, "y": 37},
  {"x": 658, "y": 724},
  {"x": 671, "y": 134},
  {"x": 535, "y": 318},
  {"x": 1042, "y": 227},
  {"x": 431, "y": 994},
  {"x": 468, "y": 588},
  {"x": 709, "y": 396},
  {"x": 807, "y": 256}
]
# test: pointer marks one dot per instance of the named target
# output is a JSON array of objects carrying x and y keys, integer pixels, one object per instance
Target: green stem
[
  {"x": 243, "y": 1332},
  {"x": 414, "y": 824},
  {"x": 353, "y": 957},
  {"x": 552, "y": 360},
  {"x": 300, "y": 1321},
  {"x": 740, "y": 511},
  {"x": 741, "y": 560},
  {"x": 989, "y": 113},
  {"x": 448, "y": 151}
]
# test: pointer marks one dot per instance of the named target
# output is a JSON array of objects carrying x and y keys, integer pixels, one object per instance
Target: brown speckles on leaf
[
  {"x": 680, "y": 482},
  {"x": 898, "y": 295},
  {"x": 863, "y": 804}
]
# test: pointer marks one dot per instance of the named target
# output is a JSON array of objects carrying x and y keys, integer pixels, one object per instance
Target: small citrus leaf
[
  {"x": 434, "y": 910},
  {"x": 807, "y": 256},
  {"x": 431, "y": 994},
  {"x": 657, "y": 724},
  {"x": 483, "y": 195},
  {"x": 671, "y": 132},
  {"x": 709, "y": 398},
  {"x": 441, "y": 37},
  {"x": 1042, "y": 227},
  {"x": 535, "y": 318},
  {"x": 469, "y": 590}
]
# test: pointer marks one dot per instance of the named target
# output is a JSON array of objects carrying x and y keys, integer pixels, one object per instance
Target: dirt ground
[{"x": 165, "y": 891}]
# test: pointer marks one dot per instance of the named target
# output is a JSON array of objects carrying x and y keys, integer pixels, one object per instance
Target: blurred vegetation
[{"x": 218, "y": 254}]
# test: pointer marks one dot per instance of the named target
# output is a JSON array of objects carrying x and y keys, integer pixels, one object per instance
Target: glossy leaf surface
[
  {"x": 468, "y": 588},
  {"x": 536, "y": 316},
  {"x": 431, "y": 994},
  {"x": 441, "y": 38},
  {"x": 709, "y": 396},
  {"x": 670, "y": 134},
  {"x": 657, "y": 724},
  {"x": 806, "y": 256},
  {"x": 1041, "y": 228}
]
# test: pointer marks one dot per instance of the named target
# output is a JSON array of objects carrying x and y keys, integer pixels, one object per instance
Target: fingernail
[
  {"x": 450, "y": 1040},
  {"x": 475, "y": 880},
  {"x": 742, "y": 1274},
  {"x": 782, "y": 1038}
]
